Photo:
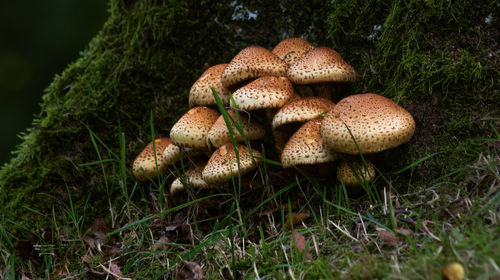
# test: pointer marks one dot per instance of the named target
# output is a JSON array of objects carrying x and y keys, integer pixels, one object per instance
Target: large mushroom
[
  {"x": 292, "y": 49},
  {"x": 366, "y": 123}
]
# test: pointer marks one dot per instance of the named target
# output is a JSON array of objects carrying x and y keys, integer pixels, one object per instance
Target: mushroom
[
  {"x": 319, "y": 65},
  {"x": 252, "y": 62},
  {"x": 149, "y": 162},
  {"x": 219, "y": 133},
  {"x": 302, "y": 110},
  {"x": 172, "y": 153},
  {"x": 191, "y": 177},
  {"x": 223, "y": 163},
  {"x": 192, "y": 128},
  {"x": 292, "y": 49},
  {"x": 264, "y": 93},
  {"x": 354, "y": 173},
  {"x": 201, "y": 91},
  {"x": 374, "y": 121},
  {"x": 306, "y": 147}
]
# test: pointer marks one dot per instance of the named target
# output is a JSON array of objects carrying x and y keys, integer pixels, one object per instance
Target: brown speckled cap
[
  {"x": 193, "y": 177},
  {"x": 219, "y": 134},
  {"x": 354, "y": 172},
  {"x": 376, "y": 122},
  {"x": 201, "y": 92},
  {"x": 292, "y": 49},
  {"x": 306, "y": 146},
  {"x": 172, "y": 153},
  {"x": 146, "y": 160},
  {"x": 223, "y": 163},
  {"x": 192, "y": 128},
  {"x": 321, "y": 64},
  {"x": 252, "y": 62},
  {"x": 264, "y": 93},
  {"x": 302, "y": 110}
]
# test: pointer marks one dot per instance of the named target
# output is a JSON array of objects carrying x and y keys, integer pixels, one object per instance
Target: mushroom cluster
[{"x": 284, "y": 93}]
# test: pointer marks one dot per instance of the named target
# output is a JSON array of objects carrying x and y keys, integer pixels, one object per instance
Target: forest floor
[{"x": 297, "y": 225}]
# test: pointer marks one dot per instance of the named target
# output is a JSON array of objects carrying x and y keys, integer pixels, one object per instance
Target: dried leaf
[
  {"x": 388, "y": 238},
  {"x": 189, "y": 271},
  {"x": 300, "y": 242},
  {"x": 297, "y": 218},
  {"x": 115, "y": 269},
  {"x": 98, "y": 230},
  {"x": 162, "y": 244}
]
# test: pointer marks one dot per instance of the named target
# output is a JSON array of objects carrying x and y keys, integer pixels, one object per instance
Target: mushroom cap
[
  {"x": 292, "y": 49},
  {"x": 306, "y": 146},
  {"x": 321, "y": 64},
  {"x": 302, "y": 110},
  {"x": 252, "y": 62},
  {"x": 354, "y": 172},
  {"x": 223, "y": 163},
  {"x": 264, "y": 93},
  {"x": 146, "y": 160},
  {"x": 172, "y": 153},
  {"x": 192, "y": 177},
  {"x": 376, "y": 122},
  {"x": 201, "y": 91},
  {"x": 219, "y": 133},
  {"x": 192, "y": 128}
]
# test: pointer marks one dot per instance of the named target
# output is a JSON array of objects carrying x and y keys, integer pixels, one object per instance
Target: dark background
[{"x": 37, "y": 40}]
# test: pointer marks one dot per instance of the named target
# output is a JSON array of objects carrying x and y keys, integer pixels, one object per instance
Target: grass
[{"x": 144, "y": 235}]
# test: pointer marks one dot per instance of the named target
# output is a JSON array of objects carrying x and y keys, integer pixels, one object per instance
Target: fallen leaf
[
  {"x": 115, "y": 269},
  {"x": 97, "y": 233},
  {"x": 189, "y": 271},
  {"x": 388, "y": 238},
  {"x": 296, "y": 218},
  {"x": 293, "y": 206},
  {"x": 300, "y": 243},
  {"x": 162, "y": 244}
]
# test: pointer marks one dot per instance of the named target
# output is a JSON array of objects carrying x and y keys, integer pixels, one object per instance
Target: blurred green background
[{"x": 37, "y": 40}]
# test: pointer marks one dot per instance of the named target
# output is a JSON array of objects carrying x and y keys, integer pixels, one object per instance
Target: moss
[
  {"x": 143, "y": 60},
  {"x": 439, "y": 59}
]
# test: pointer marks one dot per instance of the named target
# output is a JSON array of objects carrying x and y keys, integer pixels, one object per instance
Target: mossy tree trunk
[{"x": 440, "y": 59}]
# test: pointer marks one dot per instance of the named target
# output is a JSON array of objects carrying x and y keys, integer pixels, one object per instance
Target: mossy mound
[{"x": 439, "y": 60}]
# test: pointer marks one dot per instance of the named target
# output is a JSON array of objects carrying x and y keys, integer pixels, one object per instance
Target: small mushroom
[
  {"x": 306, "y": 147},
  {"x": 145, "y": 165},
  {"x": 172, "y": 153},
  {"x": 192, "y": 128},
  {"x": 374, "y": 121},
  {"x": 219, "y": 133},
  {"x": 320, "y": 65},
  {"x": 354, "y": 173},
  {"x": 201, "y": 91},
  {"x": 252, "y": 62},
  {"x": 264, "y": 93},
  {"x": 302, "y": 110},
  {"x": 292, "y": 49},
  {"x": 223, "y": 163}
]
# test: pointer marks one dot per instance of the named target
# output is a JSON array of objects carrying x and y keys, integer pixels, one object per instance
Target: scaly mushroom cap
[
  {"x": 192, "y": 177},
  {"x": 376, "y": 122},
  {"x": 321, "y": 64},
  {"x": 306, "y": 146},
  {"x": 223, "y": 163},
  {"x": 264, "y": 93},
  {"x": 302, "y": 110},
  {"x": 252, "y": 62},
  {"x": 192, "y": 128},
  {"x": 292, "y": 49},
  {"x": 354, "y": 172},
  {"x": 146, "y": 160},
  {"x": 219, "y": 134},
  {"x": 172, "y": 153},
  {"x": 201, "y": 92}
]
